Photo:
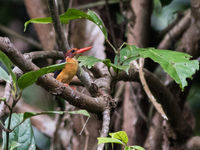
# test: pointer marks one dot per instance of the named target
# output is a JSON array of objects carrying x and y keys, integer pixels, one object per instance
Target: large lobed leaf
[
  {"x": 22, "y": 137},
  {"x": 71, "y": 14},
  {"x": 32, "y": 76},
  {"x": 177, "y": 64}
]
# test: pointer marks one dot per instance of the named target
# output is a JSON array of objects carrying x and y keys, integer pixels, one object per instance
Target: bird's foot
[{"x": 72, "y": 87}]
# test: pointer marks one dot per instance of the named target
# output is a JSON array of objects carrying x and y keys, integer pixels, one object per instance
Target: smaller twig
[
  {"x": 21, "y": 37},
  {"x": 105, "y": 126},
  {"x": 111, "y": 46},
  {"x": 86, "y": 131},
  {"x": 147, "y": 90},
  {"x": 62, "y": 41}
]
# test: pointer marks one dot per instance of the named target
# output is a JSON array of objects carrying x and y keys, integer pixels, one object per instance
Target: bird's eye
[{"x": 73, "y": 51}]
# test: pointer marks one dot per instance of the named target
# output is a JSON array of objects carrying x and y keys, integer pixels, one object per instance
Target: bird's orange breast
[{"x": 69, "y": 71}]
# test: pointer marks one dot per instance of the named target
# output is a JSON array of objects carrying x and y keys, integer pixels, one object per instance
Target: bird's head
[{"x": 74, "y": 51}]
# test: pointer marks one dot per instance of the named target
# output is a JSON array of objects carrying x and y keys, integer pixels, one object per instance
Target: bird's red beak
[{"x": 83, "y": 50}]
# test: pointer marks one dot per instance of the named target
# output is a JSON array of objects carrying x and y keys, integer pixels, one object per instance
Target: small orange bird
[{"x": 69, "y": 71}]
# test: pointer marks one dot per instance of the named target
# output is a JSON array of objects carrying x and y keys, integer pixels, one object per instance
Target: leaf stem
[{"x": 111, "y": 46}]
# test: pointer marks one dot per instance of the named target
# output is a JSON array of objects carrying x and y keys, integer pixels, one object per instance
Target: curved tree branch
[{"x": 75, "y": 98}]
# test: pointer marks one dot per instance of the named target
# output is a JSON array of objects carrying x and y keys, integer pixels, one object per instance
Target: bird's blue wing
[{"x": 57, "y": 72}]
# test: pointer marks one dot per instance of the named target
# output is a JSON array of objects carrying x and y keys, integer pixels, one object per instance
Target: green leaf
[
  {"x": 22, "y": 137},
  {"x": 38, "y": 20},
  {"x": 27, "y": 115},
  {"x": 109, "y": 140},
  {"x": 8, "y": 64},
  {"x": 32, "y": 76},
  {"x": 88, "y": 61},
  {"x": 128, "y": 54},
  {"x": 82, "y": 112},
  {"x": 121, "y": 135},
  {"x": 135, "y": 147},
  {"x": 4, "y": 75},
  {"x": 98, "y": 22},
  {"x": 177, "y": 64},
  {"x": 72, "y": 14}
]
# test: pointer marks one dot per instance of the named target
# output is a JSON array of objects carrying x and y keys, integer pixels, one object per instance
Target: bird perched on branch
[{"x": 69, "y": 71}]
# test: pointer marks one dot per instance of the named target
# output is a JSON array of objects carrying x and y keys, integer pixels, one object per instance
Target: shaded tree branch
[
  {"x": 175, "y": 32},
  {"x": 21, "y": 37},
  {"x": 50, "y": 84},
  {"x": 62, "y": 41}
]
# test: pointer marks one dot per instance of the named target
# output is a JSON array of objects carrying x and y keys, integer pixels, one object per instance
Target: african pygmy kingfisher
[{"x": 69, "y": 71}]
